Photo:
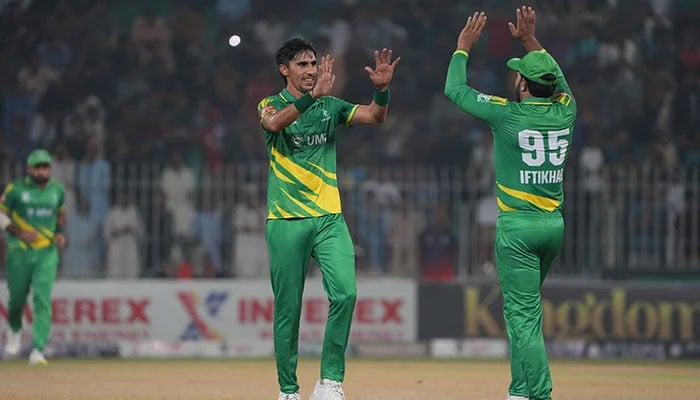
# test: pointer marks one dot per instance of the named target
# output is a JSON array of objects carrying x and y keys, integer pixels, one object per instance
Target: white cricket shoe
[
  {"x": 511, "y": 397},
  {"x": 14, "y": 343},
  {"x": 327, "y": 389},
  {"x": 36, "y": 357},
  {"x": 289, "y": 396}
]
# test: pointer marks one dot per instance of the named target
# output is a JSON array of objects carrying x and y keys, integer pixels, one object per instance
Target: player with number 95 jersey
[{"x": 532, "y": 138}]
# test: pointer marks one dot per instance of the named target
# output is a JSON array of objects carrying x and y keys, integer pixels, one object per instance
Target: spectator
[
  {"x": 251, "y": 259},
  {"x": 177, "y": 185},
  {"x": 151, "y": 35},
  {"x": 209, "y": 230},
  {"x": 123, "y": 230},
  {"x": 35, "y": 78},
  {"x": 438, "y": 248},
  {"x": 94, "y": 180},
  {"x": 406, "y": 225},
  {"x": 63, "y": 170},
  {"x": 81, "y": 259},
  {"x": 54, "y": 53}
]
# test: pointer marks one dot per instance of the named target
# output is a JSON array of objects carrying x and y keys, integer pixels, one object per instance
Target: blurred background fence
[{"x": 424, "y": 222}]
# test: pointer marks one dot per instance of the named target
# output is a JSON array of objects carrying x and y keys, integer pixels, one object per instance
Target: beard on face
[{"x": 40, "y": 180}]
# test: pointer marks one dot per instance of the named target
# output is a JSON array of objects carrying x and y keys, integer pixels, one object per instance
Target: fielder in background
[
  {"x": 34, "y": 206},
  {"x": 304, "y": 217},
  {"x": 532, "y": 138}
]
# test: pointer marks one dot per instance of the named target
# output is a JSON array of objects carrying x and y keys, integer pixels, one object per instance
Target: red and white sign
[{"x": 236, "y": 313}]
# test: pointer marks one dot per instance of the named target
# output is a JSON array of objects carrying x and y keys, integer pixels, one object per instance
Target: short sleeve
[
  {"x": 268, "y": 105},
  {"x": 345, "y": 111}
]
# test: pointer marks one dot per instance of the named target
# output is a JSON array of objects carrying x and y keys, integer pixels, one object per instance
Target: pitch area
[{"x": 366, "y": 380}]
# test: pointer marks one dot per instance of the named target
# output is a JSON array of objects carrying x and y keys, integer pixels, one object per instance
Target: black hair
[
  {"x": 541, "y": 90},
  {"x": 290, "y": 49}
]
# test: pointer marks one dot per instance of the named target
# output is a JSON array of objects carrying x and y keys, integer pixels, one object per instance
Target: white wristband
[{"x": 4, "y": 221}]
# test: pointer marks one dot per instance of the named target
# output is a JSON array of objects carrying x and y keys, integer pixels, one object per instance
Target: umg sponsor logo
[{"x": 310, "y": 140}]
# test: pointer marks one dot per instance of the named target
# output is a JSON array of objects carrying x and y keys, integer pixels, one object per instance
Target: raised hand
[
  {"x": 524, "y": 29},
  {"x": 383, "y": 70},
  {"x": 472, "y": 31},
  {"x": 324, "y": 78}
]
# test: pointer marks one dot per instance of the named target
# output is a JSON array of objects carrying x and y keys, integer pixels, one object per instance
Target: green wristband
[
  {"x": 304, "y": 102},
  {"x": 381, "y": 98},
  {"x": 59, "y": 229}
]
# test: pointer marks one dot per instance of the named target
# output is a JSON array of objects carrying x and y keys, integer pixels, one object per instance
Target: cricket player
[
  {"x": 304, "y": 217},
  {"x": 34, "y": 205},
  {"x": 532, "y": 138}
]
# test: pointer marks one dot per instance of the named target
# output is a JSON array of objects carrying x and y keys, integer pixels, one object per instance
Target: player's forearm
[
  {"x": 379, "y": 108},
  {"x": 490, "y": 109},
  {"x": 61, "y": 222},
  {"x": 278, "y": 120},
  {"x": 13, "y": 230},
  {"x": 531, "y": 44},
  {"x": 456, "y": 82},
  {"x": 378, "y": 113},
  {"x": 281, "y": 119}
]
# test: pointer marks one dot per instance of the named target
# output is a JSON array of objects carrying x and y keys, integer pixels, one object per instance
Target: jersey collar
[
  {"x": 29, "y": 182},
  {"x": 286, "y": 96},
  {"x": 537, "y": 101}
]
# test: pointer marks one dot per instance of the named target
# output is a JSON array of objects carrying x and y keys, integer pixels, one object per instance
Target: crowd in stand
[{"x": 109, "y": 86}]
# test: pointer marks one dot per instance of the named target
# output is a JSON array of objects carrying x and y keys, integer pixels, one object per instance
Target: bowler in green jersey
[
  {"x": 34, "y": 205},
  {"x": 532, "y": 138},
  {"x": 304, "y": 216}
]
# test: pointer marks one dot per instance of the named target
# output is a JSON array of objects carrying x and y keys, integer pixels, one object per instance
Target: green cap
[
  {"x": 534, "y": 66},
  {"x": 38, "y": 156}
]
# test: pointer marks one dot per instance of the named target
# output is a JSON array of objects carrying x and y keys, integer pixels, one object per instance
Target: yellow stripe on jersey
[
  {"x": 564, "y": 99},
  {"x": 326, "y": 200},
  {"x": 498, "y": 100},
  {"x": 544, "y": 203},
  {"x": 348, "y": 121},
  {"x": 278, "y": 173},
  {"x": 264, "y": 103},
  {"x": 301, "y": 205},
  {"x": 42, "y": 240},
  {"x": 502, "y": 205},
  {"x": 46, "y": 232},
  {"x": 283, "y": 213},
  {"x": 330, "y": 175},
  {"x": 328, "y": 197}
]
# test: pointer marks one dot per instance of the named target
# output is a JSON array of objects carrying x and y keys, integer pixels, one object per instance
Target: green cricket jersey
[
  {"x": 532, "y": 139},
  {"x": 33, "y": 208},
  {"x": 302, "y": 179}
]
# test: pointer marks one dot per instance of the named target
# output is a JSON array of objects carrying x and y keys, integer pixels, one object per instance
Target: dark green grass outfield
[{"x": 366, "y": 380}]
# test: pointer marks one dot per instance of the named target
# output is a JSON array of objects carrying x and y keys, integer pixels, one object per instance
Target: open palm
[{"x": 384, "y": 68}]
